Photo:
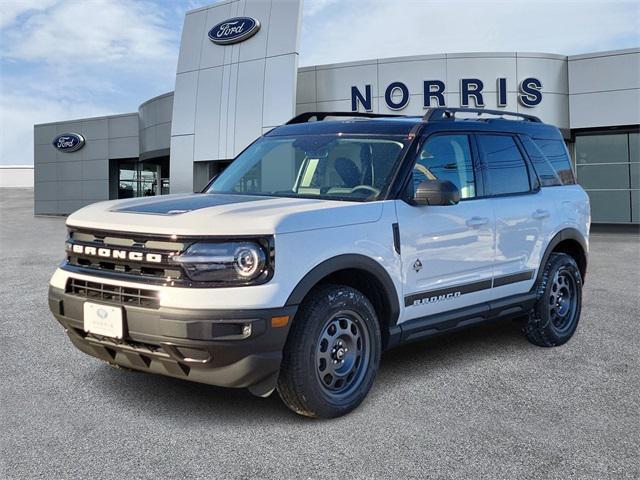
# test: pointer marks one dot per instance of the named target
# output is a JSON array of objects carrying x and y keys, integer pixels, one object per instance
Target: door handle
[
  {"x": 475, "y": 222},
  {"x": 540, "y": 214}
]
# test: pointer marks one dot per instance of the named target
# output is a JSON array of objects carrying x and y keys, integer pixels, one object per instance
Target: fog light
[{"x": 246, "y": 330}]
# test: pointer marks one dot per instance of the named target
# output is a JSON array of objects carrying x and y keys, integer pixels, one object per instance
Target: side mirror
[{"x": 436, "y": 192}]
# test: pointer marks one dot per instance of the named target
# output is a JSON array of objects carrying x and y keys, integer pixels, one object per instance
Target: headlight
[{"x": 231, "y": 262}]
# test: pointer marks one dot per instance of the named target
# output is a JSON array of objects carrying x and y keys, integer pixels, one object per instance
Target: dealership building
[{"x": 237, "y": 77}]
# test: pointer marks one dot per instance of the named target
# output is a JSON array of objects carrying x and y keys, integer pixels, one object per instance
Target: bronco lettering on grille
[{"x": 114, "y": 253}]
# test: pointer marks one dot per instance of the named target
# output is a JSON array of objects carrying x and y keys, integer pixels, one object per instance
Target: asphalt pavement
[{"x": 483, "y": 403}]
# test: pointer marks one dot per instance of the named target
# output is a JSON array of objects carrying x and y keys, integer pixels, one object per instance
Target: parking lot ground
[{"x": 483, "y": 403}]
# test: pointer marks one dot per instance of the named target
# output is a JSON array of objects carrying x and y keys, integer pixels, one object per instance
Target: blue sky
[{"x": 64, "y": 59}]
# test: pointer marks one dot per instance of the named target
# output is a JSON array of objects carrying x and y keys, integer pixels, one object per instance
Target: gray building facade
[
  {"x": 66, "y": 181},
  {"x": 229, "y": 93}
]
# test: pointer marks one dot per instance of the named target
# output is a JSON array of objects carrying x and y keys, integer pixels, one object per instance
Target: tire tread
[
  {"x": 293, "y": 375},
  {"x": 537, "y": 328}
]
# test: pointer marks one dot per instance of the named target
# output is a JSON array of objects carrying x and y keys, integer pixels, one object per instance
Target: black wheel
[
  {"x": 332, "y": 354},
  {"x": 557, "y": 312}
]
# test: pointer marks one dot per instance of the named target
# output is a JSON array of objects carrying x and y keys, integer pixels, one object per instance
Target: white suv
[{"x": 326, "y": 242}]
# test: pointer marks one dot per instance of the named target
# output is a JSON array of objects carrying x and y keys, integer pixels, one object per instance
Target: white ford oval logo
[
  {"x": 234, "y": 30},
  {"x": 69, "y": 142}
]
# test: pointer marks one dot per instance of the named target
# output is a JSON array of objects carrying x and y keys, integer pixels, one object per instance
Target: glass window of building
[{"x": 607, "y": 166}]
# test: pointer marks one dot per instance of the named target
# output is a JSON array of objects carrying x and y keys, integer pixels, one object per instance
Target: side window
[
  {"x": 505, "y": 165},
  {"x": 546, "y": 173},
  {"x": 447, "y": 157},
  {"x": 556, "y": 153}
]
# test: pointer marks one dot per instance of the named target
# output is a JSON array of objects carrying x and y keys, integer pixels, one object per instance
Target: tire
[
  {"x": 557, "y": 312},
  {"x": 332, "y": 353}
]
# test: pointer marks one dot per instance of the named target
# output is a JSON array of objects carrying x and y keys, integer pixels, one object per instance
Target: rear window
[
  {"x": 555, "y": 153},
  {"x": 546, "y": 173}
]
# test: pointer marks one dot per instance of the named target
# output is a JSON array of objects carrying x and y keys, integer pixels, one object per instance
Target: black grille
[
  {"x": 138, "y": 297},
  {"x": 108, "y": 266},
  {"x": 164, "y": 247}
]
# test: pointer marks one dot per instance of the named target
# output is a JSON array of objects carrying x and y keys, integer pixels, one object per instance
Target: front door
[{"x": 447, "y": 251}]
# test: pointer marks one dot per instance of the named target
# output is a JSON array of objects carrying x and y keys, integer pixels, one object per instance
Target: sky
[{"x": 65, "y": 59}]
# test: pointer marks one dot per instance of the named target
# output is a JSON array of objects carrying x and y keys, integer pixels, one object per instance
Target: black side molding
[
  {"x": 449, "y": 292},
  {"x": 513, "y": 278},
  {"x": 462, "y": 289},
  {"x": 419, "y": 328}
]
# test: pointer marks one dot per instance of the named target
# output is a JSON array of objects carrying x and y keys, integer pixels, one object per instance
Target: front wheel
[
  {"x": 555, "y": 317},
  {"x": 332, "y": 354}
]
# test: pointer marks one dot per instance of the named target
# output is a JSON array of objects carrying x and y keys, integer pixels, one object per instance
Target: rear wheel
[
  {"x": 557, "y": 312},
  {"x": 332, "y": 354}
]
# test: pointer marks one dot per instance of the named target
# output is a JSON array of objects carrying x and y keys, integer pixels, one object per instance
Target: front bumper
[{"x": 206, "y": 346}]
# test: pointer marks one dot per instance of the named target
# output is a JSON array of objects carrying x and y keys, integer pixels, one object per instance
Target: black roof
[
  {"x": 434, "y": 119},
  {"x": 388, "y": 126}
]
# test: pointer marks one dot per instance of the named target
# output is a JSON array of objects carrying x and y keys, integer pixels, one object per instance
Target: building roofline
[
  {"x": 443, "y": 56},
  {"x": 158, "y": 97},
  {"x": 87, "y": 119},
  {"x": 605, "y": 53},
  {"x": 435, "y": 56},
  {"x": 207, "y": 7}
]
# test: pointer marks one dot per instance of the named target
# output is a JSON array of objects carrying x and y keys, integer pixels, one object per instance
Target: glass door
[{"x": 138, "y": 180}]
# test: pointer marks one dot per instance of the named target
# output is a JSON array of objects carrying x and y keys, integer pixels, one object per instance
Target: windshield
[{"x": 334, "y": 167}]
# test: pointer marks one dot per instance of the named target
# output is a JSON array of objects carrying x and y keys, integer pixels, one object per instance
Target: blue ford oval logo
[
  {"x": 234, "y": 30},
  {"x": 68, "y": 142}
]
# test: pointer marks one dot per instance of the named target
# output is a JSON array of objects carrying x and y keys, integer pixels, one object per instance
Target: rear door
[
  {"x": 521, "y": 212},
  {"x": 447, "y": 251}
]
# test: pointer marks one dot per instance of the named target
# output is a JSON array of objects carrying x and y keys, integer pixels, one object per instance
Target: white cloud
[
  {"x": 313, "y": 7},
  {"x": 19, "y": 113},
  {"x": 94, "y": 31},
  {"x": 12, "y": 9},
  {"x": 377, "y": 29},
  {"x": 64, "y": 59}
]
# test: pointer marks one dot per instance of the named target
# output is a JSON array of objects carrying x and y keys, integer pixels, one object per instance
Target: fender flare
[
  {"x": 562, "y": 235},
  {"x": 344, "y": 262}
]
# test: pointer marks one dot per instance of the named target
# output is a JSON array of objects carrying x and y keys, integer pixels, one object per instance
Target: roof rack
[
  {"x": 319, "y": 116},
  {"x": 445, "y": 113}
]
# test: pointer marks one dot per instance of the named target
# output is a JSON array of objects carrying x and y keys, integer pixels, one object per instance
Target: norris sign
[{"x": 396, "y": 95}]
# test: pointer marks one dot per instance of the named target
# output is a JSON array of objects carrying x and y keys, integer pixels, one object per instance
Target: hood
[{"x": 222, "y": 214}]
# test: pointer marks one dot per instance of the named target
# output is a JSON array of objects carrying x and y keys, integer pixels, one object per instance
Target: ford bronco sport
[{"x": 327, "y": 241}]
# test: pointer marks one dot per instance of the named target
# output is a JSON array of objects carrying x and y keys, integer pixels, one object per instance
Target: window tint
[
  {"x": 324, "y": 166},
  {"x": 546, "y": 173},
  {"x": 507, "y": 171},
  {"x": 556, "y": 153},
  {"x": 349, "y": 164},
  {"x": 447, "y": 157}
]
